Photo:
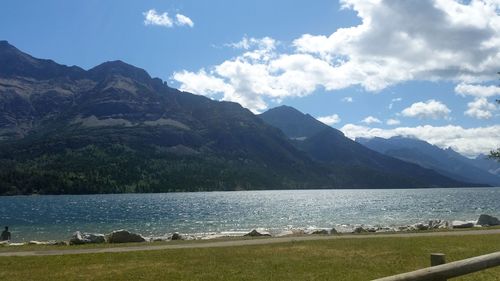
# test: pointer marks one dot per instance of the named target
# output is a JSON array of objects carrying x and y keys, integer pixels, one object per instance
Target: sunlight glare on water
[{"x": 57, "y": 217}]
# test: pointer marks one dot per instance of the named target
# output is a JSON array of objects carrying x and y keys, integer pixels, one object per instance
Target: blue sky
[{"x": 428, "y": 66}]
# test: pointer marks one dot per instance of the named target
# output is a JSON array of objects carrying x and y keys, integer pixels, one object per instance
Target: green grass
[{"x": 341, "y": 259}]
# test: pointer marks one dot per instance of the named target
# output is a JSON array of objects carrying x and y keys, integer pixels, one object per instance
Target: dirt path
[{"x": 215, "y": 244}]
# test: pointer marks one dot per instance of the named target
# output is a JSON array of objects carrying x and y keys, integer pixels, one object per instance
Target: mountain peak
[
  {"x": 285, "y": 108},
  {"x": 8, "y": 50},
  {"x": 118, "y": 67},
  {"x": 16, "y": 63},
  {"x": 5, "y": 43},
  {"x": 292, "y": 122}
]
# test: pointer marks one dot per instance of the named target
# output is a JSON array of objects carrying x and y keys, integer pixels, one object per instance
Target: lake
[{"x": 57, "y": 217}]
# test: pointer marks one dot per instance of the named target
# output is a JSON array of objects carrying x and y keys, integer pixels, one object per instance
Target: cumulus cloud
[
  {"x": 467, "y": 141},
  {"x": 479, "y": 91},
  {"x": 152, "y": 17},
  {"x": 393, "y": 122},
  {"x": 445, "y": 40},
  {"x": 246, "y": 43},
  {"x": 429, "y": 109},
  {"x": 480, "y": 108},
  {"x": 329, "y": 120},
  {"x": 209, "y": 85},
  {"x": 182, "y": 20},
  {"x": 371, "y": 120}
]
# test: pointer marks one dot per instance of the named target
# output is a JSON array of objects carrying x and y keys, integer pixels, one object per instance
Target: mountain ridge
[
  {"x": 445, "y": 161},
  {"x": 328, "y": 145},
  {"x": 114, "y": 129}
]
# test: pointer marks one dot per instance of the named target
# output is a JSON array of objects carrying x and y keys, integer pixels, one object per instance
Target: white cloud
[
  {"x": 371, "y": 120},
  {"x": 152, "y": 17},
  {"x": 207, "y": 84},
  {"x": 470, "y": 142},
  {"x": 246, "y": 43},
  {"x": 329, "y": 120},
  {"x": 348, "y": 99},
  {"x": 479, "y": 91},
  {"x": 480, "y": 108},
  {"x": 182, "y": 20},
  {"x": 429, "y": 109},
  {"x": 449, "y": 40},
  {"x": 393, "y": 122},
  {"x": 445, "y": 39}
]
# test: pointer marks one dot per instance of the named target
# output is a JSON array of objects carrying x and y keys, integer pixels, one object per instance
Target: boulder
[
  {"x": 319, "y": 232},
  {"x": 487, "y": 220},
  {"x": 438, "y": 224},
  {"x": 176, "y": 236},
  {"x": 462, "y": 224},
  {"x": 95, "y": 238},
  {"x": 386, "y": 229},
  {"x": 79, "y": 238},
  {"x": 160, "y": 239},
  {"x": 359, "y": 229},
  {"x": 124, "y": 236},
  {"x": 256, "y": 233},
  {"x": 421, "y": 226}
]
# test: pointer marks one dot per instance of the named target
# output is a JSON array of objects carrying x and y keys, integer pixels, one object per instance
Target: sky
[{"x": 416, "y": 68}]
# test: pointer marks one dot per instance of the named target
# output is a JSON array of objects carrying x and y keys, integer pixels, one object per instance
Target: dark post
[{"x": 438, "y": 259}]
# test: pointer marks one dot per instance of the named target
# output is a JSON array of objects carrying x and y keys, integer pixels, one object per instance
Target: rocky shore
[{"x": 124, "y": 236}]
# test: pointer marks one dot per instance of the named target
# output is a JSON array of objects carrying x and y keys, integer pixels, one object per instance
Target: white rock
[{"x": 79, "y": 238}]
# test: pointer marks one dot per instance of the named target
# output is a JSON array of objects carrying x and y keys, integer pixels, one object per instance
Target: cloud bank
[
  {"x": 469, "y": 142},
  {"x": 424, "y": 110},
  {"x": 329, "y": 120},
  {"x": 371, "y": 120},
  {"x": 445, "y": 40}
]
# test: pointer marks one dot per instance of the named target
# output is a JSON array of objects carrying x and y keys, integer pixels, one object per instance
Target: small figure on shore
[{"x": 5, "y": 235}]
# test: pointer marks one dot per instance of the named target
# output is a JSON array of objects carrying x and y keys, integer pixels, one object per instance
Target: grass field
[{"x": 342, "y": 259}]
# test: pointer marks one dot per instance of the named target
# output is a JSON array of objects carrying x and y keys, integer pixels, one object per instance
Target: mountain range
[
  {"x": 445, "y": 161},
  {"x": 329, "y": 146},
  {"x": 113, "y": 129}
]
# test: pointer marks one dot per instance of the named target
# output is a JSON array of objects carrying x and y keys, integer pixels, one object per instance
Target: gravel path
[{"x": 215, "y": 244}]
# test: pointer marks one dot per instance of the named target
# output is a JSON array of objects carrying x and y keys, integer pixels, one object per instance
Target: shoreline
[
  {"x": 135, "y": 247},
  {"x": 482, "y": 223}
]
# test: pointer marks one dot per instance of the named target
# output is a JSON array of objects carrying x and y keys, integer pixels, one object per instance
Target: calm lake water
[{"x": 57, "y": 217}]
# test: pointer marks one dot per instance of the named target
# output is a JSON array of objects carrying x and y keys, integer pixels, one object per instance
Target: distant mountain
[
  {"x": 294, "y": 123},
  {"x": 445, "y": 161},
  {"x": 329, "y": 146},
  {"x": 114, "y": 129}
]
